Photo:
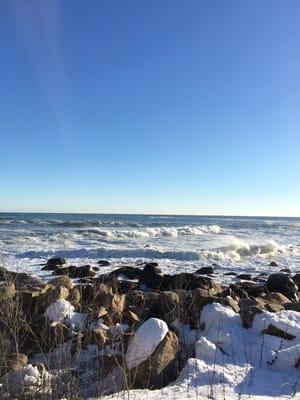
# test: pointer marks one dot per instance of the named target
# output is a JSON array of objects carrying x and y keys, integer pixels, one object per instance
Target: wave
[
  {"x": 239, "y": 249},
  {"x": 114, "y": 253},
  {"x": 145, "y": 233},
  {"x": 67, "y": 224},
  {"x": 234, "y": 252}
]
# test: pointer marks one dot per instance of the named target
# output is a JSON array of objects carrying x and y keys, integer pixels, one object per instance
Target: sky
[{"x": 172, "y": 107}]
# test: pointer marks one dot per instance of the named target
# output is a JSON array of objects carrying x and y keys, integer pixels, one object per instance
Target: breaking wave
[
  {"x": 227, "y": 253},
  {"x": 156, "y": 232}
]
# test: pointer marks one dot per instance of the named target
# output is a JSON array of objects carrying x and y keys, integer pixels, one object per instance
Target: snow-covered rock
[
  {"x": 146, "y": 339},
  {"x": 59, "y": 311}
]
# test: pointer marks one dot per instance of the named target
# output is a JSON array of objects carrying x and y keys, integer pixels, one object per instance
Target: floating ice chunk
[{"x": 146, "y": 339}]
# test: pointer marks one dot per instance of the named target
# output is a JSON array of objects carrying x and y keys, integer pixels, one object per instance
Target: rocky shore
[{"x": 84, "y": 335}]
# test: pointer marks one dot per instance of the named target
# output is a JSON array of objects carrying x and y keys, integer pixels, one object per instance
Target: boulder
[
  {"x": 76, "y": 272},
  {"x": 276, "y": 298},
  {"x": 7, "y": 291},
  {"x": 74, "y": 298},
  {"x": 246, "y": 277},
  {"x": 161, "y": 367},
  {"x": 21, "y": 280},
  {"x": 54, "y": 262},
  {"x": 128, "y": 272},
  {"x": 282, "y": 283},
  {"x": 296, "y": 279},
  {"x": 187, "y": 281},
  {"x": 27, "y": 382},
  {"x": 205, "y": 271},
  {"x": 96, "y": 336},
  {"x": 151, "y": 276},
  {"x": 292, "y": 306},
  {"x": 103, "y": 263},
  {"x": 44, "y": 300},
  {"x": 63, "y": 280},
  {"x": 251, "y": 307},
  {"x": 273, "y": 264},
  {"x": 151, "y": 356},
  {"x": 274, "y": 331},
  {"x": 165, "y": 306},
  {"x": 14, "y": 363},
  {"x": 44, "y": 336}
]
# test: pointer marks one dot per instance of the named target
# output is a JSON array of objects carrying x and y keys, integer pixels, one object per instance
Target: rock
[
  {"x": 52, "y": 263},
  {"x": 130, "y": 316},
  {"x": 21, "y": 280},
  {"x": 26, "y": 382},
  {"x": 286, "y": 270},
  {"x": 165, "y": 307},
  {"x": 276, "y": 297},
  {"x": 63, "y": 280},
  {"x": 292, "y": 306},
  {"x": 127, "y": 272},
  {"x": 103, "y": 263},
  {"x": 161, "y": 367},
  {"x": 76, "y": 272},
  {"x": 74, "y": 298},
  {"x": 200, "y": 299},
  {"x": 7, "y": 291},
  {"x": 96, "y": 336},
  {"x": 44, "y": 336},
  {"x": 151, "y": 276},
  {"x": 188, "y": 281},
  {"x": 282, "y": 283},
  {"x": 253, "y": 289},
  {"x": 44, "y": 300},
  {"x": 113, "y": 303},
  {"x": 251, "y": 307},
  {"x": 246, "y": 277},
  {"x": 296, "y": 279},
  {"x": 273, "y": 264},
  {"x": 274, "y": 331},
  {"x": 16, "y": 362},
  {"x": 205, "y": 271},
  {"x": 230, "y": 273}
]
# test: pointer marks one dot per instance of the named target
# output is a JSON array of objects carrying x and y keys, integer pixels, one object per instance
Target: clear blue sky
[{"x": 150, "y": 106}]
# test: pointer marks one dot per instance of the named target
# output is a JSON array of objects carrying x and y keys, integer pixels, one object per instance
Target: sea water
[{"x": 177, "y": 243}]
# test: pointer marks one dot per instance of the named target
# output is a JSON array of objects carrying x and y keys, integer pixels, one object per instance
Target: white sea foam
[
  {"x": 177, "y": 243},
  {"x": 152, "y": 232}
]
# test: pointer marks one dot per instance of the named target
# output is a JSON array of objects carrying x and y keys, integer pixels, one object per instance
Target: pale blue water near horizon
[{"x": 177, "y": 243}]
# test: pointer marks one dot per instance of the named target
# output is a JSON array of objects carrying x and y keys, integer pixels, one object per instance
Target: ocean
[{"x": 177, "y": 243}]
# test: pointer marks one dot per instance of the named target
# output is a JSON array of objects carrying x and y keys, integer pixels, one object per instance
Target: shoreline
[{"x": 91, "y": 324}]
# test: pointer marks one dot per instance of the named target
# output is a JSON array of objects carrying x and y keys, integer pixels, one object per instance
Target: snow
[
  {"x": 145, "y": 341},
  {"x": 227, "y": 360},
  {"x": 209, "y": 352},
  {"x": 63, "y": 311},
  {"x": 59, "y": 311},
  {"x": 232, "y": 362},
  {"x": 118, "y": 329},
  {"x": 31, "y": 375}
]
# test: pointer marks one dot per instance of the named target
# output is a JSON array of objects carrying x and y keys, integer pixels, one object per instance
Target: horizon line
[{"x": 153, "y": 214}]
